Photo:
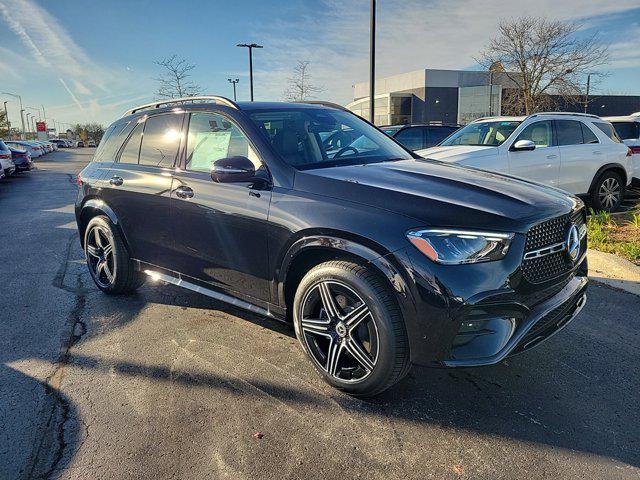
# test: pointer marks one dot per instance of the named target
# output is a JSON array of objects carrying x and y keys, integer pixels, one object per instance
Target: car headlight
[{"x": 454, "y": 247}]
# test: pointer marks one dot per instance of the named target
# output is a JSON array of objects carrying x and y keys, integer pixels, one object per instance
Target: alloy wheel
[
  {"x": 339, "y": 331},
  {"x": 609, "y": 193},
  {"x": 100, "y": 258}
]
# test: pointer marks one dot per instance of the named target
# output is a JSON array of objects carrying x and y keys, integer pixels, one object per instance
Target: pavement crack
[{"x": 53, "y": 445}]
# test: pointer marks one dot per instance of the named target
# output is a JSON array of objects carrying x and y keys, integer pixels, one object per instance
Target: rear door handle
[
  {"x": 551, "y": 157},
  {"x": 184, "y": 192},
  {"x": 597, "y": 152},
  {"x": 116, "y": 181}
]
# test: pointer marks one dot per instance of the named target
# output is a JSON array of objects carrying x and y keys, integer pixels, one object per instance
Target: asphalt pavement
[{"x": 170, "y": 384}]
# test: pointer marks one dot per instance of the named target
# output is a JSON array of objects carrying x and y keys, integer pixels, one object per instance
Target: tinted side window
[
  {"x": 437, "y": 134},
  {"x": 627, "y": 130},
  {"x": 161, "y": 140},
  {"x": 132, "y": 148},
  {"x": 608, "y": 130},
  {"x": 569, "y": 132},
  {"x": 539, "y": 133},
  {"x": 212, "y": 137},
  {"x": 412, "y": 138},
  {"x": 588, "y": 135},
  {"x": 112, "y": 141}
]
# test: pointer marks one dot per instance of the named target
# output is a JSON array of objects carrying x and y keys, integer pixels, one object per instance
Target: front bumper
[{"x": 534, "y": 325}]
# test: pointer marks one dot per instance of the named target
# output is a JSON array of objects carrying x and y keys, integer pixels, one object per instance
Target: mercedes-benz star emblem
[{"x": 573, "y": 243}]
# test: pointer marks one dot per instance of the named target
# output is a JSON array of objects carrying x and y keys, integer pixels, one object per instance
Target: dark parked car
[
  {"x": 21, "y": 159},
  {"x": 417, "y": 137},
  {"x": 379, "y": 259}
]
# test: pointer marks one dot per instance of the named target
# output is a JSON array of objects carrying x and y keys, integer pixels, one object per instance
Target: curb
[{"x": 614, "y": 271}]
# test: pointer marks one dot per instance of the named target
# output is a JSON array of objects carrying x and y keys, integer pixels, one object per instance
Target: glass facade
[
  {"x": 390, "y": 109},
  {"x": 473, "y": 102}
]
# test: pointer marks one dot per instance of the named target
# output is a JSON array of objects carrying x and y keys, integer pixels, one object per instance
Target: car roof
[{"x": 627, "y": 118}]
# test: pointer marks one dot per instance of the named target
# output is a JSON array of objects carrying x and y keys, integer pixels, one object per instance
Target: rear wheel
[
  {"x": 109, "y": 263},
  {"x": 608, "y": 192},
  {"x": 349, "y": 324}
]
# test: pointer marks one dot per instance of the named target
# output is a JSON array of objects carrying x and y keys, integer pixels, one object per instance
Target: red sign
[{"x": 41, "y": 126}]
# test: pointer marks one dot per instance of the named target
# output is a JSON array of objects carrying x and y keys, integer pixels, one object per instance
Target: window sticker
[{"x": 209, "y": 147}]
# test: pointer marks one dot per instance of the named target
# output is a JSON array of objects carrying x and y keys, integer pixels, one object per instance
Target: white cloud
[
  {"x": 412, "y": 34},
  {"x": 53, "y": 48}
]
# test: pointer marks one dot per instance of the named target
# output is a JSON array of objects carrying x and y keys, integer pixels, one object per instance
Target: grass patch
[{"x": 619, "y": 235}]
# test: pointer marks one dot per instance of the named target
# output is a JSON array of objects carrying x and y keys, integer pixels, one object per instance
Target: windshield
[
  {"x": 315, "y": 138},
  {"x": 491, "y": 134}
]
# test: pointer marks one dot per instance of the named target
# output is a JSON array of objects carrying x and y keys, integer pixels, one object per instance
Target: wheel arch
[
  {"x": 616, "y": 167},
  {"x": 311, "y": 250},
  {"x": 92, "y": 208}
]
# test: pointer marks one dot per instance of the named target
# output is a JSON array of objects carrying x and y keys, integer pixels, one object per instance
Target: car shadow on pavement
[{"x": 580, "y": 398}]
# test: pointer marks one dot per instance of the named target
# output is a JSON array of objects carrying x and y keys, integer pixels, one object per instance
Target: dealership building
[{"x": 459, "y": 96}]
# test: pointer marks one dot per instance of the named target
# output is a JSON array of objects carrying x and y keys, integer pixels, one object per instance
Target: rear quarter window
[
  {"x": 112, "y": 141},
  {"x": 608, "y": 130}
]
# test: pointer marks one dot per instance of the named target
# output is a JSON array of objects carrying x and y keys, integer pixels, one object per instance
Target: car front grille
[{"x": 550, "y": 234}]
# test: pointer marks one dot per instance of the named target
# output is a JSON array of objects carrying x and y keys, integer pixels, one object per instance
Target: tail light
[
  {"x": 635, "y": 150},
  {"x": 79, "y": 180},
  {"x": 5, "y": 155}
]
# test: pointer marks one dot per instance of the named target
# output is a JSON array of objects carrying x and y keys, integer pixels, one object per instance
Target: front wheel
[
  {"x": 108, "y": 260},
  {"x": 608, "y": 192},
  {"x": 349, "y": 324}
]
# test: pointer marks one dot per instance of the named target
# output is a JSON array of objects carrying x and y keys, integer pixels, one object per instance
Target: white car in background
[
  {"x": 7, "y": 167},
  {"x": 579, "y": 153},
  {"x": 628, "y": 129}
]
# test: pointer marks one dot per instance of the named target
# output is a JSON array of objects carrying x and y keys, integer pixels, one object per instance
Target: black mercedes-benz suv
[{"x": 309, "y": 214}]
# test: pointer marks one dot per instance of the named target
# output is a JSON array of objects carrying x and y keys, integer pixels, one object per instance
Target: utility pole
[
  {"x": 250, "y": 46},
  {"x": 491, "y": 93},
  {"x": 234, "y": 86},
  {"x": 372, "y": 62},
  {"x": 6, "y": 116},
  {"x": 586, "y": 97},
  {"x": 21, "y": 111}
]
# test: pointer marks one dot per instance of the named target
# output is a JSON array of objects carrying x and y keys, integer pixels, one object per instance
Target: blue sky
[{"x": 89, "y": 61}]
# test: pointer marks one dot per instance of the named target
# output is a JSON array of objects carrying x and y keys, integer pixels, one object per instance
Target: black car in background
[
  {"x": 380, "y": 259},
  {"x": 417, "y": 137}
]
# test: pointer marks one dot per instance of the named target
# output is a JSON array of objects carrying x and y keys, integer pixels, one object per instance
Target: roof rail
[
  {"x": 579, "y": 114},
  {"x": 635, "y": 114},
  {"x": 201, "y": 98},
  {"x": 326, "y": 104}
]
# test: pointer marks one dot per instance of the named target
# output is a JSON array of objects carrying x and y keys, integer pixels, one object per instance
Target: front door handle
[
  {"x": 551, "y": 157},
  {"x": 597, "y": 152},
  {"x": 184, "y": 192},
  {"x": 116, "y": 181}
]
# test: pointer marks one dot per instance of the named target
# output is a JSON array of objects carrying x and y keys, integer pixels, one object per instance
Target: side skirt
[{"x": 178, "y": 280}]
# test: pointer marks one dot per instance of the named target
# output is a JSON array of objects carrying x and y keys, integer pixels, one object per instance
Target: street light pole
[
  {"x": 234, "y": 86},
  {"x": 491, "y": 93},
  {"x": 586, "y": 98},
  {"x": 372, "y": 61},
  {"x": 250, "y": 46},
  {"x": 21, "y": 110},
  {"x": 44, "y": 115}
]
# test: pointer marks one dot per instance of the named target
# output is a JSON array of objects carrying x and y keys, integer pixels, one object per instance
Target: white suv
[
  {"x": 628, "y": 129},
  {"x": 578, "y": 153}
]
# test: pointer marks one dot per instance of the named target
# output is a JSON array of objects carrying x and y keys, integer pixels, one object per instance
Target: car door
[
  {"x": 581, "y": 155},
  {"x": 541, "y": 164},
  {"x": 219, "y": 229},
  {"x": 138, "y": 187}
]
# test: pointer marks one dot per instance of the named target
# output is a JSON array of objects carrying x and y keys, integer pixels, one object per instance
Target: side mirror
[
  {"x": 523, "y": 146},
  {"x": 233, "y": 169}
]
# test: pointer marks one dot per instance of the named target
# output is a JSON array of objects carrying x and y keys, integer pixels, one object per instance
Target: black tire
[
  {"x": 608, "y": 192},
  {"x": 123, "y": 277},
  {"x": 381, "y": 335}
]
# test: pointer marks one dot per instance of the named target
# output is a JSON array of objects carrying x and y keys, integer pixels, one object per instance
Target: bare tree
[
  {"x": 175, "y": 82},
  {"x": 299, "y": 86},
  {"x": 542, "y": 57}
]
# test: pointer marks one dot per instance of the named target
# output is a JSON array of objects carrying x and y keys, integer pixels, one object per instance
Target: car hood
[
  {"x": 440, "y": 194},
  {"x": 457, "y": 152}
]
